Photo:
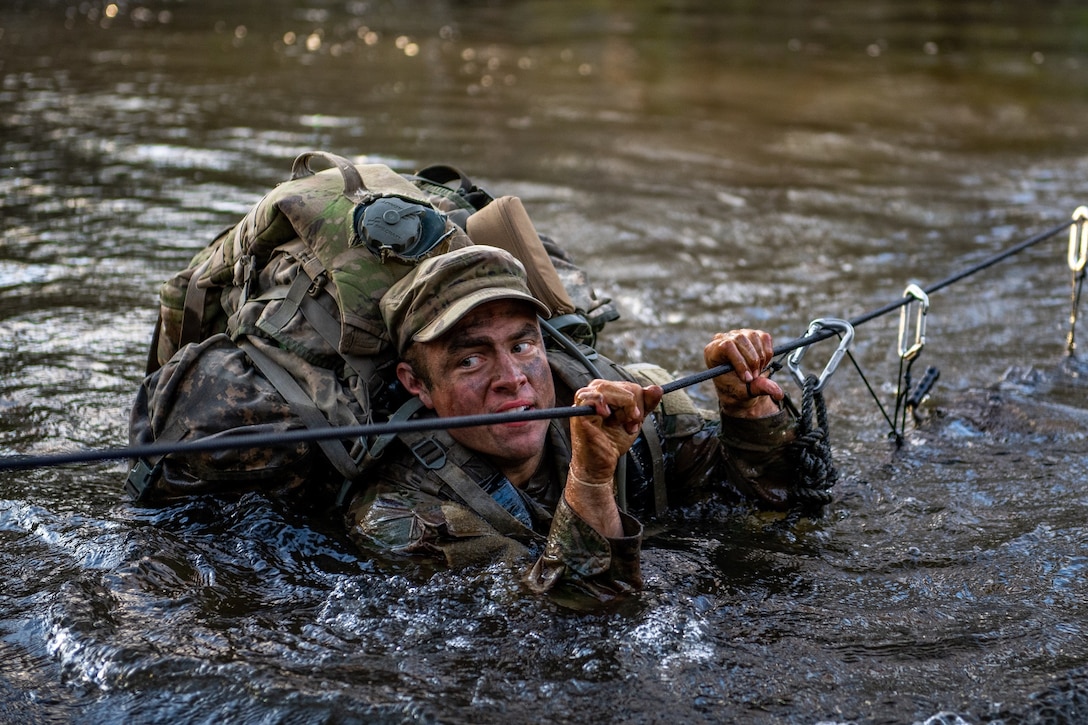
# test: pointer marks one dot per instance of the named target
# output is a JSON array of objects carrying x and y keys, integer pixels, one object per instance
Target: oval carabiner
[
  {"x": 1078, "y": 242},
  {"x": 846, "y": 338},
  {"x": 909, "y": 352}
]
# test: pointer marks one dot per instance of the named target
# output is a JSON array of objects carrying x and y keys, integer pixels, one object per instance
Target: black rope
[
  {"x": 811, "y": 450},
  {"x": 890, "y": 307},
  {"x": 984, "y": 264},
  {"x": 222, "y": 442},
  {"x": 227, "y": 441}
]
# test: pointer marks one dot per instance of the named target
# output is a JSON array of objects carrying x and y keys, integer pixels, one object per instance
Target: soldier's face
[{"x": 492, "y": 361}]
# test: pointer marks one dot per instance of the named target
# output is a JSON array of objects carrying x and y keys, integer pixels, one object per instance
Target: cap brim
[{"x": 450, "y": 316}]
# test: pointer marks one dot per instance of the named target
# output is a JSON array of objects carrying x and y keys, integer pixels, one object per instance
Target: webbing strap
[
  {"x": 369, "y": 453},
  {"x": 301, "y": 404},
  {"x": 453, "y": 474},
  {"x": 153, "y": 348},
  {"x": 192, "y": 320},
  {"x": 291, "y": 303},
  {"x": 296, "y": 297},
  {"x": 657, "y": 454},
  {"x": 354, "y": 187},
  {"x": 375, "y": 450}
]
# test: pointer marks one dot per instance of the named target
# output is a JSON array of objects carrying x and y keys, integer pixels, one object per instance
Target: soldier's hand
[
  {"x": 598, "y": 441},
  {"x": 746, "y": 392}
]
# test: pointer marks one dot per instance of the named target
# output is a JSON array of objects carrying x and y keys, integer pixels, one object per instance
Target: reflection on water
[{"x": 713, "y": 165}]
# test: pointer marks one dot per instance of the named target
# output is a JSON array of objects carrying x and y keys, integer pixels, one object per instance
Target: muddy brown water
[{"x": 713, "y": 165}]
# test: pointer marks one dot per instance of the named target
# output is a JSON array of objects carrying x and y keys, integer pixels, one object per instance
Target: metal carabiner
[
  {"x": 916, "y": 293},
  {"x": 831, "y": 323},
  {"x": 1078, "y": 243}
]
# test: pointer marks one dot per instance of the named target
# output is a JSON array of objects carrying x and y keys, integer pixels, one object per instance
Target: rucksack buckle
[
  {"x": 244, "y": 271},
  {"x": 140, "y": 478},
  {"x": 429, "y": 453},
  {"x": 317, "y": 285}
]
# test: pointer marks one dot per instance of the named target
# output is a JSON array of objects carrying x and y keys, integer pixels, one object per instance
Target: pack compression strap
[{"x": 310, "y": 414}]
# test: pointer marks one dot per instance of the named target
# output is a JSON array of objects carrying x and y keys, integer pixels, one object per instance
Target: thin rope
[
  {"x": 872, "y": 392},
  {"x": 984, "y": 264}
]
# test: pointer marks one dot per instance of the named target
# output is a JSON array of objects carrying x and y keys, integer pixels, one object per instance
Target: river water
[{"x": 713, "y": 165}]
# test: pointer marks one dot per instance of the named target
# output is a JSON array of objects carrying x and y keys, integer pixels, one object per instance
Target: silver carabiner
[
  {"x": 1078, "y": 242},
  {"x": 831, "y": 323},
  {"x": 917, "y": 294}
]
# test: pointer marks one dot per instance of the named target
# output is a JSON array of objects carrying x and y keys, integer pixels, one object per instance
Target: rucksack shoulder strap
[{"x": 445, "y": 459}]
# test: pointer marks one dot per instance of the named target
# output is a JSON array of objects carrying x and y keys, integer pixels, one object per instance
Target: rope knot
[{"x": 811, "y": 451}]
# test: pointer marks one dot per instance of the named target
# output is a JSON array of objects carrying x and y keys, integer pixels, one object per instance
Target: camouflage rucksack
[{"x": 275, "y": 325}]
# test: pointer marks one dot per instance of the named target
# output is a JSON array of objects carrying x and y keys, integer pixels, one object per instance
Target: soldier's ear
[{"x": 413, "y": 383}]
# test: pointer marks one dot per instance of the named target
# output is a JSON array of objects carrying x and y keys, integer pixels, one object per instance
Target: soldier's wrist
[{"x": 584, "y": 479}]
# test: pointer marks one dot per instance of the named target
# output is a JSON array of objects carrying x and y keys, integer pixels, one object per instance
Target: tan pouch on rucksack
[{"x": 504, "y": 223}]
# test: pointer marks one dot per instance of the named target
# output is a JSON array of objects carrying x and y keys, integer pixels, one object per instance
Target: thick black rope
[
  {"x": 984, "y": 264},
  {"x": 811, "y": 450},
  {"x": 223, "y": 442}
]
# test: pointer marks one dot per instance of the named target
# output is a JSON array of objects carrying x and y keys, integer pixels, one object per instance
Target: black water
[{"x": 713, "y": 165}]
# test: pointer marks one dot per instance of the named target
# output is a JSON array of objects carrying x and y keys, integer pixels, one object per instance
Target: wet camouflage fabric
[
  {"x": 334, "y": 344},
  {"x": 327, "y": 334},
  {"x": 212, "y": 387},
  {"x": 172, "y": 296},
  {"x": 409, "y": 510},
  {"x": 314, "y": 210}
]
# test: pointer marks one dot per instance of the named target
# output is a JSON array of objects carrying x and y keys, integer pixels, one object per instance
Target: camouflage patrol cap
[{"x": 434, "y": 296}]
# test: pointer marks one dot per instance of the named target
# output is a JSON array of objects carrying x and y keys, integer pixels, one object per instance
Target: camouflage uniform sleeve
[
  {"x": 576, "y": 553},
  {"x": 757, "y": 457},
  {"x": 747, "y": 459}
]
